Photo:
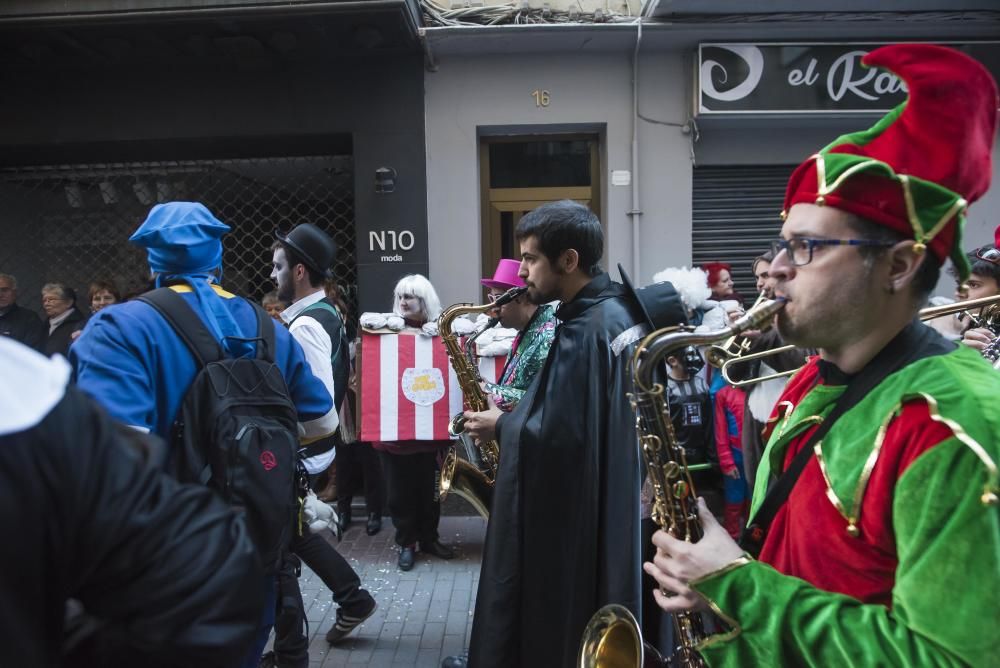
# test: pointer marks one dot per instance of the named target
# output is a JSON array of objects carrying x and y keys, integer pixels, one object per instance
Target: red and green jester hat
[
  {"x": 917, "y": 170},
  {"x": 887, "y": 552}
]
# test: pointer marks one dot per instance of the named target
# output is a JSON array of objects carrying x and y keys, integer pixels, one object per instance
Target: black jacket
[
  {"x": 168, "y": 569},
  {"x": 60, "y": 340},
  {"x": 25, "y": 326},
  {"x": 564, "y": 534}
]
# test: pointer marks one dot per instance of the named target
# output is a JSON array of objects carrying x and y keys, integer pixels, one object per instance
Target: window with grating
[
  {"x": 71, "y": 223},
  {"x": 735, "y": 214}
]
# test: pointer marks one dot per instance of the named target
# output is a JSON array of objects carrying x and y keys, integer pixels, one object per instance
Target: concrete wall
[
  {"x": 469, "y": 94},
  {"x": 466, "y": 95}
]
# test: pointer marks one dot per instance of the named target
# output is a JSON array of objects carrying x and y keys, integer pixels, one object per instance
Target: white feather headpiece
[{"x": 691, "y": 284}]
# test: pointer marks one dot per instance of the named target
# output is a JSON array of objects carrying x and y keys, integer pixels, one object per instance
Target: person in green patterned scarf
[
  {"x": 886, "y": 550},
  {"x": 536, "y": 327}
]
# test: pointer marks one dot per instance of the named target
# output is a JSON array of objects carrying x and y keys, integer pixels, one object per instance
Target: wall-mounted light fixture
[
  {"x": 143, "y": 192},
  {"x": 385, "y": 180},
  {"x": 74, "y": 195},
  {"x": 108, "y": 192},
  {"x": 164, "y": 193}
]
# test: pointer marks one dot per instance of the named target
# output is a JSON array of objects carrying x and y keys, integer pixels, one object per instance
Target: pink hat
[{"x": 505, "y": 276}]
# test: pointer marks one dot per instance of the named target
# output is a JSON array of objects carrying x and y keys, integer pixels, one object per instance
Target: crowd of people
[{"x": 848, "y": 476}]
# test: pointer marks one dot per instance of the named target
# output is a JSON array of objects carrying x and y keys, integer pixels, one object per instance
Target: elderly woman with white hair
[{"x": 411, "y": 467}]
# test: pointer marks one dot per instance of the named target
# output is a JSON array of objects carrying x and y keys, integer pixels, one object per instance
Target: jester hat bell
[{"x": 917, "y": 170}]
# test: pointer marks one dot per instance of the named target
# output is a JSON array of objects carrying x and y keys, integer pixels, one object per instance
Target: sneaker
[
  {"x": 347, "y": 622},
  {"x": 268, "y": 661},
  {"x": 459, "y": 661}
]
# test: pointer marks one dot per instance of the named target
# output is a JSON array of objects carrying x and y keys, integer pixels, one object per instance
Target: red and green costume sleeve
[{"x": 887, "y": 552}]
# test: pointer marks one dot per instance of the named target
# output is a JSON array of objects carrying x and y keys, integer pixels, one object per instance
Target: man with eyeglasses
[
  {"x": 983, "y": 281},
  {"x": 874, "y": 525}
]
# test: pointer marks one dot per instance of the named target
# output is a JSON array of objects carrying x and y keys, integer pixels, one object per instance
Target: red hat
[
  {"x": 996, "y": 237},
  {"x": 714, "y": 269},
  {"x": 505, "y": 277},
  {"x": 917, "y": 170}
]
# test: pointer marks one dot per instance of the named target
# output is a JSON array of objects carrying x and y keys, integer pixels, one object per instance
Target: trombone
[
  {"x": 757, "y": 356},
  {"x": 929, "y": 313},
  {"x": 734, "y": 347}
]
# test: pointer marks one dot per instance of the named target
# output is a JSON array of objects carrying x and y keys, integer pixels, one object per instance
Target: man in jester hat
[{"x": 886, "y": 549}]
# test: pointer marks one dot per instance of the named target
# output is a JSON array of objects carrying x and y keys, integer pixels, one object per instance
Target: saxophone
[
  {"x": 473, "y": 483},
  {"x": 612, "y": 632}
]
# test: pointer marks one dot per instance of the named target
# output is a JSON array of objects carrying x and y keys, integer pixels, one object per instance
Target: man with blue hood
[{"x": 133, "y": 363}]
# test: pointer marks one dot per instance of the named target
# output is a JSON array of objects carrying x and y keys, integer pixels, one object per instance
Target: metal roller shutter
[{"x": 735, "y": 212}]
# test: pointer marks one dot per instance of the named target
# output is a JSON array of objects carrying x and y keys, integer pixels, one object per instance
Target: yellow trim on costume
[
  {"x": 830, "y": 494},
  {"x": 911, "y": 211},
  {"x": 854, "y": 515},
  {"x": 851, "y": 171},
  {"x": 734, "y": 627},
  {"x": 991, "y": 491},
  {"x": 783, "y": 416},
  {"x": 960, "y": 205},
  {"x": 992, "y": 488},
  {"x": 922, "y": 238},
  {"x": 218, "y": 290}
]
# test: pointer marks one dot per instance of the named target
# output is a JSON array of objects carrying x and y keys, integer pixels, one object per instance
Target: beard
[
  {"x": 286, "y": 293},
  {"x": 538, "y": 297}
]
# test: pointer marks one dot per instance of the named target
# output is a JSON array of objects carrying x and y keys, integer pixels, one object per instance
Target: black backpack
[{"x": 236, "y": 430}]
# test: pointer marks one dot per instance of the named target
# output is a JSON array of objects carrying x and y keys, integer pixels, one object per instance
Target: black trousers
[
  {"x": 359, "y": 470},
  {"x": 413, "y": 504},
  {"x": 291, "y": 644}
]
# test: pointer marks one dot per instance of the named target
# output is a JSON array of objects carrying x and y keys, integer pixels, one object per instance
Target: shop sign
[{"x": 803, "y": 78}]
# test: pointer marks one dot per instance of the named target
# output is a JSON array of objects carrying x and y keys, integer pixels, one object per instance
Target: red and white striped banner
[{"x": 408, "y": 388}]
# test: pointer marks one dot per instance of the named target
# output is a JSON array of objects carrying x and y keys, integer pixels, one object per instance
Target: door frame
[{"x": 519, "y": 199}]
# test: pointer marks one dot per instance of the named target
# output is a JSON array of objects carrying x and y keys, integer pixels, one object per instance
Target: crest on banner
[{"x": 423, "y": 386}]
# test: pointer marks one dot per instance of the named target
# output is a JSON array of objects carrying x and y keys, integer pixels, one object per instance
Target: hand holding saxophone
[
  {"x": 482, "y": 425},
  {"x": 678, "y": 562}
]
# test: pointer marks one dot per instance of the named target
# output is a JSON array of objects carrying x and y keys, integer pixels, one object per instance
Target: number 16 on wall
[{"x": 542, "y": 98}]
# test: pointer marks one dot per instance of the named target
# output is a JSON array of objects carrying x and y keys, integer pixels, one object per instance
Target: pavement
[{"x": 423, "y": 615}]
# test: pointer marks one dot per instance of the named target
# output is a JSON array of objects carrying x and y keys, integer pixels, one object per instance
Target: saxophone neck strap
[{"x": 916, "y": 341}]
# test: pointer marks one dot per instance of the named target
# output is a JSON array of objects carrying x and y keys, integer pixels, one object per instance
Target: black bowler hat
[
  {"x": 313, "y": 245},
  {"x": 660, "y": 303}
]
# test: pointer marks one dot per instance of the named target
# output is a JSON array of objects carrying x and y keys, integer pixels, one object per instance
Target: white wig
[
  {"x": 418, "y": 286},
  {"x": 691, "y": 284}
]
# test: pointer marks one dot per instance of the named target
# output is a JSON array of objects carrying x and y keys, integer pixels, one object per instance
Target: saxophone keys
[
  {"x": 671, "y": 470},
  {"x": 681, "y": 489}
]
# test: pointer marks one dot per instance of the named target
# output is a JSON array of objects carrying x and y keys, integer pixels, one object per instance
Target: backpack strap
[
  {"x": 265, "y": 333},
  {"x": 186, "y": 323}
]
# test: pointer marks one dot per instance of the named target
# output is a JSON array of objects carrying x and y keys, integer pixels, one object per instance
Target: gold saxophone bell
[{"x": 613, "y": 639}]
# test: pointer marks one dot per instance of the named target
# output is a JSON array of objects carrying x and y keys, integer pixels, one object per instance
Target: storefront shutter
[{"x": 735, "y": 215}]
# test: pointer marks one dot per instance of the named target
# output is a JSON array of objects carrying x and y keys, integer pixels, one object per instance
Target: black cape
[{"x": 564, "y": 535}]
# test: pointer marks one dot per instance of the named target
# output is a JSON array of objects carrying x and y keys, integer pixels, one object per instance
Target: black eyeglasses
[
  {"x": 988, "y": 254},
  {"x": 800, "y": 249}
]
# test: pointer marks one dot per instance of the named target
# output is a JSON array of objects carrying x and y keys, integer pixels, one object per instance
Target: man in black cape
[{"x": 564, "y": 534}]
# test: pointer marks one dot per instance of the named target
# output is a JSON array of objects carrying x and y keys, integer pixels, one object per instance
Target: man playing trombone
[
  {"x": 983, "y": 281},
  {"x": 879, "y": 540}
]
